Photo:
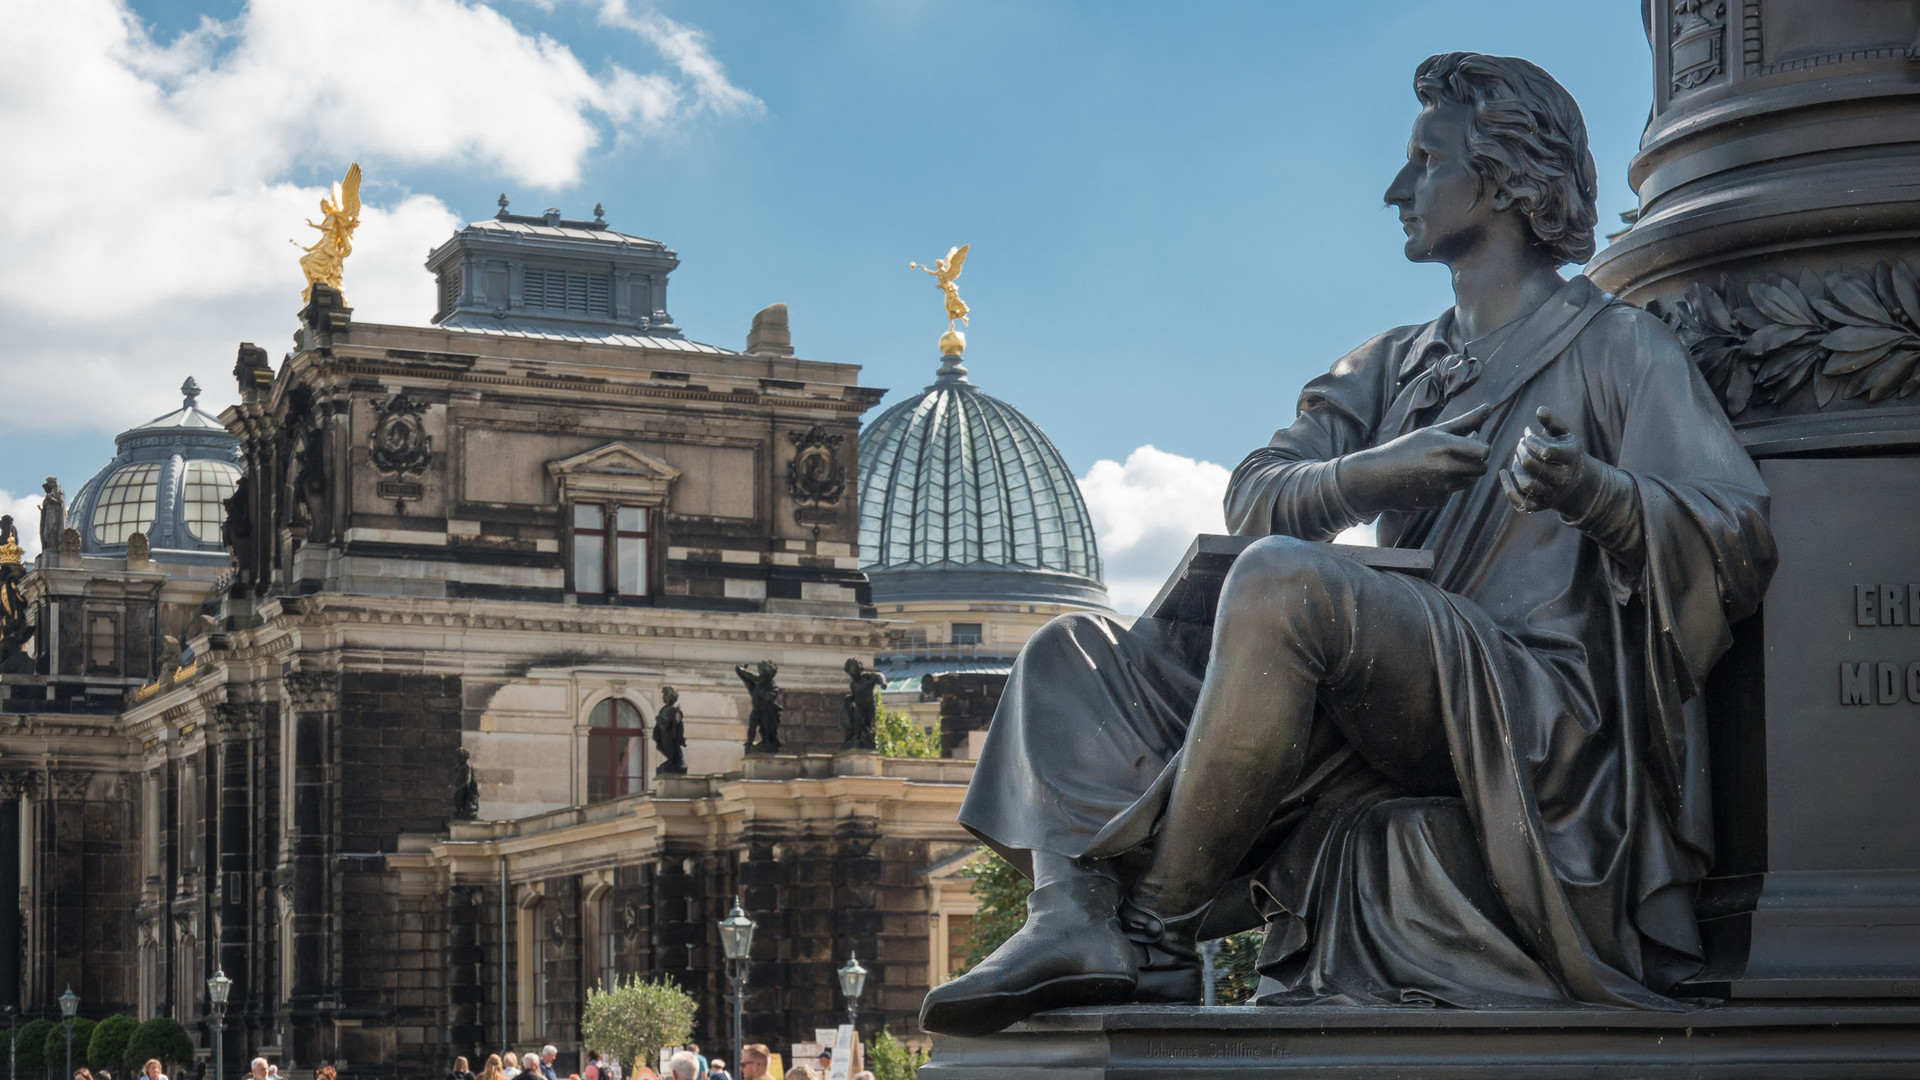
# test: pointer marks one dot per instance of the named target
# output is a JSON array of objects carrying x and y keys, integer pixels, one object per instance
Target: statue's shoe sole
[{"x": 984, "y": 1014}]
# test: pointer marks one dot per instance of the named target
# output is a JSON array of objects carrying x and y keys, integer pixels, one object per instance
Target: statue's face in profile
[{"x": 1445, "y": 206}]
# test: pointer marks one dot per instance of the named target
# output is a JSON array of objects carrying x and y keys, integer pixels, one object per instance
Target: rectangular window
[
  {"x": 589, "y": 548},
  {"x": 630, "y": 551},
  {"x": 616, "y": 564},
  {"x": 966, "y": 633},
  {"x": 607, "y": 942}
]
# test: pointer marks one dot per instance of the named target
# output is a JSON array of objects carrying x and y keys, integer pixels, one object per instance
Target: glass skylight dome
[
  {"x": 964, "y": 498},
  {"x": 169, "y": 479}
]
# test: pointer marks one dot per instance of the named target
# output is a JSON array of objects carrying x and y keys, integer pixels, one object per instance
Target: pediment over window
[{"x": 614, "y": 471}]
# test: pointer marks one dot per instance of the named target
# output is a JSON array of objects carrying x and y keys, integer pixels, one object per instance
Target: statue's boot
[
  {"x": 1168, "y": 950},
  {"x": 1071, "y": 951}
]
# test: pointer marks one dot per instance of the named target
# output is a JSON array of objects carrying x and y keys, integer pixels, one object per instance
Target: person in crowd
[
  {"x": 826, "y": 1061},
  {"x": 547, "y": 1054},
  {"x": 151, "y": 1070},
  {"x": 717, "y": 1070},
  {"x": 460, "y": 1070},
  {"x": 683, "y": 1065},
  {"x": 594, "y": 1068},
  {"x": 509, "y": 1064},
  {"x": 102, "y": 1074},
  {"x": 803, "y": 1072},
  {"x": 324, "y": 1072},
  {"x": 694, "y": 1049},
  {"x": 493, "y": 1070},
  {"x": 863, "y": 1075},
  {"x": 257, "y": 1069},
  {"x": 82, "y": 1073},
  {"x": 530, "y": 1063},
  {"x": 753, "y": 1061}
]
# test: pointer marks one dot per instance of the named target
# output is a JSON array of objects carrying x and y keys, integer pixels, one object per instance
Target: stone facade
[{"x": 489, "y": 537}]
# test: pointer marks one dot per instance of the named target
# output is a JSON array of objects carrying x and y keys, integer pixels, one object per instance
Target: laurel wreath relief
[{"x": 1849, "y": 332}]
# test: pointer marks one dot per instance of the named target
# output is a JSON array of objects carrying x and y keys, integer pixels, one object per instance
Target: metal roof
[{"x": 962, "y": 494}]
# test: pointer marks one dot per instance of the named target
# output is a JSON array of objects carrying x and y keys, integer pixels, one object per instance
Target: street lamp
[
  {"x": 736, "y": 940},
  {"x": 853, "y": 979},
  {"x": 69, "y": 1008},
  {"x": 218, "y": 988}
]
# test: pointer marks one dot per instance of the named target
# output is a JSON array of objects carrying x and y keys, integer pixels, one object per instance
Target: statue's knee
[
  {"x": 1060, "y": 631},
  {"x": 1270, "y": 578}
]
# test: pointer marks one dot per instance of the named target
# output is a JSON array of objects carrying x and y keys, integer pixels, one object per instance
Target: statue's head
[
  {"x": 669, "y": 695},
  {"x": 1498, "y": 144},
  {"x": 852, "y": 666},
  {"x": 461, "y": 754},
  {"x": 767, "y": 669},
  {"x": 49, "y": 485}
]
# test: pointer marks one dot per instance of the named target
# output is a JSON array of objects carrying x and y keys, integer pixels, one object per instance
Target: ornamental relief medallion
[
  {"x": 399, "y": 442},
  {"x": 816, "y": 473}
]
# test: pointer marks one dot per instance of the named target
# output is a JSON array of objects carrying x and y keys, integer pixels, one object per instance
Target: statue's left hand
[{"x": 1550, "y": 470}]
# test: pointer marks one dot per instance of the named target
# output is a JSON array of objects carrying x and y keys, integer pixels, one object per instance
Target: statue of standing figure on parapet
[
  {"x": 53, "y": 516},
  {"x": 763, "y": 723},
  {"x": 670, "y": 734},
  {"x": 863, "y": 704}
]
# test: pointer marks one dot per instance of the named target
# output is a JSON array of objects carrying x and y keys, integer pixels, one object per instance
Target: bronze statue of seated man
[{"x": 1482, "y": 789}]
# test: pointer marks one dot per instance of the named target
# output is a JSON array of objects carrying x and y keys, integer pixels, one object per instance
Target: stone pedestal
[{"x": 1750, "y": 1042}]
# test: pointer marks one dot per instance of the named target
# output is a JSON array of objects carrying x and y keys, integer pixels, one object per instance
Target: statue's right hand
[{"x": 1418, "y": 470}]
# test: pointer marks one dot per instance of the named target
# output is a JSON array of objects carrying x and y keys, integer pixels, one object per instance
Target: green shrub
[
  {"x": 54, "y": 1048},
  {"x": 896, "y": 735},
  {"x": 28, "y": 1045},
  {"x": 888, "y": 1059},
  {"x": 160, "y": 1038},
  {"x": 635, "y": 1019},
  {"x": 108, "y": 1047}
]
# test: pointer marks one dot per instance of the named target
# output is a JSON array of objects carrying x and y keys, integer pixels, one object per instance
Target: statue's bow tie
[{"x": 1442, "y": 380}]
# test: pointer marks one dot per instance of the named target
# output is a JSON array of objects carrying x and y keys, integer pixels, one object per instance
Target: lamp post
[
  {"x": 69, "y": 1008},
  {"x": 853, "y": 979},
  {"x": 736, "y": 940},
  {"x": 218, "y": 988}
]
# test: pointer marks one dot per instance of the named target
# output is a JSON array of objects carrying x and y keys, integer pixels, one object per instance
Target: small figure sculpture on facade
[
  {"x": 670, "y": 734},
  {"x": 763, "y": 724},
  {"x": 53, "y": 515},
  {"x": 863, "y": 704},
  {"x": 466, "y": 786},
  {"x": 15, "y": 626}
]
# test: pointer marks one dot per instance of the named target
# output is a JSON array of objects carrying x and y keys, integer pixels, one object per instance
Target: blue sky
[{"x": 1174, "y": 208}]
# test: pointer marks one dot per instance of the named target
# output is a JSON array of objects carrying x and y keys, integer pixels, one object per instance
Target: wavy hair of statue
[{"x": 1527, "y": 139}]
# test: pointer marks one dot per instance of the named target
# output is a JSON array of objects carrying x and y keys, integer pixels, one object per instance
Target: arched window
[
  {"x": 126, "y": 504},
  {"x": 208, "y": 485},
  {"x": 616, "y": 753}
]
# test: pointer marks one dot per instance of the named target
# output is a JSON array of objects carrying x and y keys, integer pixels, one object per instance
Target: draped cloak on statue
[{"x": 1559, "y": 865}]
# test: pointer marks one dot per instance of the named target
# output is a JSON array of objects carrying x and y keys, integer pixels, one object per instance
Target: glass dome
[
  {"x": 962, "y": 497},
  {"x": 169, "y": 479}
]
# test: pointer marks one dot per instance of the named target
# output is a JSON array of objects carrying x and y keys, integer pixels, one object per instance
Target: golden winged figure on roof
[
  {"x": 945, "y": 273},
  {"x": 339, "y": 216}
]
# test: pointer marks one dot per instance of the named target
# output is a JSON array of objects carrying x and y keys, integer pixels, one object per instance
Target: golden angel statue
[
  {"x": 945, "y": 273},
  {"x": 339, "y": 216}
]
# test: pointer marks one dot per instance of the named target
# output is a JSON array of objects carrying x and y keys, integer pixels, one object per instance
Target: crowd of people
[{"x": 687, "y": 1063}]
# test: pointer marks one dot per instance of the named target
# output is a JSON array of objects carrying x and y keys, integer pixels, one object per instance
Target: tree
[
  {"x": 29, "y": 1047},
  {"x": 635, "y": 1019},
  {"x": 888, "y": 1059},
  {"x": 896, "y": 735},
  {"x": 163, "y": 1039},
  {"x": 1002, "y": 893},
  {"x": 54, "y": 1047},
  {"x": 108, "y": 1047}
]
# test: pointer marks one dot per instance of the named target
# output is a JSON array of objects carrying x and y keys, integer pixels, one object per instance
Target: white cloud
[
  {"x": 1146, "y": 512},
  {"x": 148, "y": 194}
]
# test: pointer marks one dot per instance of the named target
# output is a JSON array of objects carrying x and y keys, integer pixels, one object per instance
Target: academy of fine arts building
[{"x": 543, "y": 679}]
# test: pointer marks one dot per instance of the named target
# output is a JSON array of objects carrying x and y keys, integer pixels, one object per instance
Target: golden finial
[
  {"x": 339, "y": 216},
  {"x": 10, "y": 554},
  {"x": 945, "y": 272}
]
